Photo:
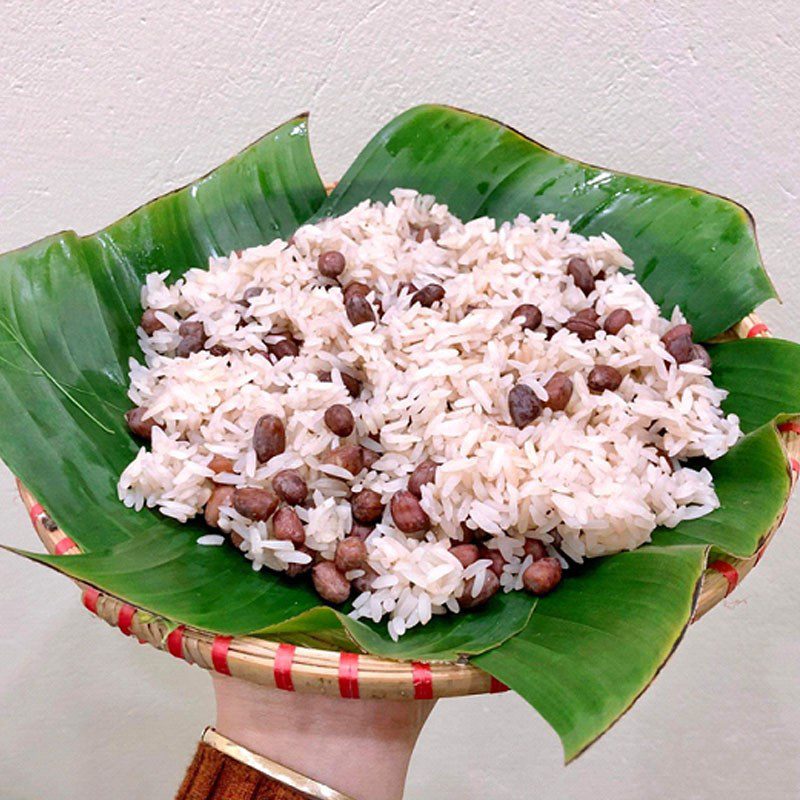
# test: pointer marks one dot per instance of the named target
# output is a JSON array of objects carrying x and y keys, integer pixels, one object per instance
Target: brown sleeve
[{"x": 214, "y": 776}]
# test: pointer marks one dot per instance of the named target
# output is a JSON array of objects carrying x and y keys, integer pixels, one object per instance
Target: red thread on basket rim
[
  {"x": 63, "y": 545},
  {"x": 789, "y": 427},
  {"x": 422, "y": 676},
  {"x": 282, "y": 669},
  {"x": 728, "y": 571},
  {"x": 125, "y": 618},
  {"x": 496, "y": 686},
  {"x": 90, "y": 597},
  {"x": 35, "y": 512},
  {"x": 757, "y": 330},
  {"x": 175, "y": 642},
  {"x": 219, "y": 654},
  {"x": 348, "y": 675}
]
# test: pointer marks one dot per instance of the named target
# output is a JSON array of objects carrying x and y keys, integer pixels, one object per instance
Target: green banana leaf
[
  {"x": 750, "y": 369},
  {"x": 179, "y": 580},
  {"x": 690, "y": 248},
  {"x": 69, "y": 307},
  {"x": 591, "y": 649},
  {"x": 68, "y": 312}
]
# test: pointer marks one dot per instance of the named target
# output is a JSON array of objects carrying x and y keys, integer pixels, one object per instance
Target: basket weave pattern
[{"x": 304, "y": 669}]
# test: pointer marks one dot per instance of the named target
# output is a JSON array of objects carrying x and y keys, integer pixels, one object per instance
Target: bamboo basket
[{"x": 304, "y": 669}]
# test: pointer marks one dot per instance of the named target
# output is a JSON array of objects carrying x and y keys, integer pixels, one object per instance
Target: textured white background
[{"x": 104, "y": 107}]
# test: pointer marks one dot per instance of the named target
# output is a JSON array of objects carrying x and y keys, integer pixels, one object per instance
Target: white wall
[{"x": 102, "y": 108}]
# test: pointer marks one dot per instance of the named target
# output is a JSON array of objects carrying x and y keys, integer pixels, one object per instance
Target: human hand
[{"x": 358, "y": 747}]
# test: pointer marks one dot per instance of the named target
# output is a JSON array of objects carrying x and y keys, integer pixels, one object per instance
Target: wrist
[{"x": 360, "y": 748}]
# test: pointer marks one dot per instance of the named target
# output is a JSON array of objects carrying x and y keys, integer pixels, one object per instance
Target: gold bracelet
[{"x": 312, "y": 788}]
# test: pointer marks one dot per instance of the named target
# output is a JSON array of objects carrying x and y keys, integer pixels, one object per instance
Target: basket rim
[{"x": 351, "y": 675}]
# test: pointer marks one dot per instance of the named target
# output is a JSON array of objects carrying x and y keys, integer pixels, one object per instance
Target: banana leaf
[
  {"x": 68, "y": 312},
  {"x": 592, "y": 649},
  {"x": 751, "y": 370},
  {"x": 690, "y": 247}
]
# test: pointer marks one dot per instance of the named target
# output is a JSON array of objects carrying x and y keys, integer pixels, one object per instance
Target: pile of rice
[{"x": 590, "y": 479}]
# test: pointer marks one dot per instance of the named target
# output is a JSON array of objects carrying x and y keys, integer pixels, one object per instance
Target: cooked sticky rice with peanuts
[{"x": 415, "y": 412}]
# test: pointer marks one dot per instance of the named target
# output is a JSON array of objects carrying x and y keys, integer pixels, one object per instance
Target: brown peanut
[
  {"x": 351, "y": 553},
  {"x": 221, "y": 496},
  {"x": 498, "y": 562},
  {"x": 542, "y": 576},
  {"x": 491, "y": 584},
  {"x": 424, "y": 473},
  {"x": 194, "y": 337},
  {"x": 531, "y": 316},
  {"x": 329, "y": 582},
  {"x": 220, "y": 464},
  {"x": 428, "y": 295},
  {"x": 367, "y": 506},
  {"x": 349, "y": 457},
  {"x": 466, "y": 553},
  {"x": 331, "y": 264},
  {"x": 604, "y": 378},
  {"x": 150, "y": 323},
  {"x": 139, "y": 426},
  {"x": 617, "y": 320},
  {"x": 523, "y": 405},
  {"x": 339, "y": 420},
  {"x": 581, "y": 274},
  {"x": 535, "y": 548},
  {"x": 559, "y": 391},
  {"x": 407, "y": 513},
  {"x": 287, "y": 526},
  {"x": 358, "y": 310},
  {"x": 255, "y": 504},
  {"x": 269, "y": 437},
  {"x": 364, "y": 582},
  {"x": 293, "y": 570},
  {"x": 290, "y": 487}
]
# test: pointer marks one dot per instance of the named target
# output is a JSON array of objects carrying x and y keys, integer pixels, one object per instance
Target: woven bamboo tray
[{"x": 349, "y": 675}]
